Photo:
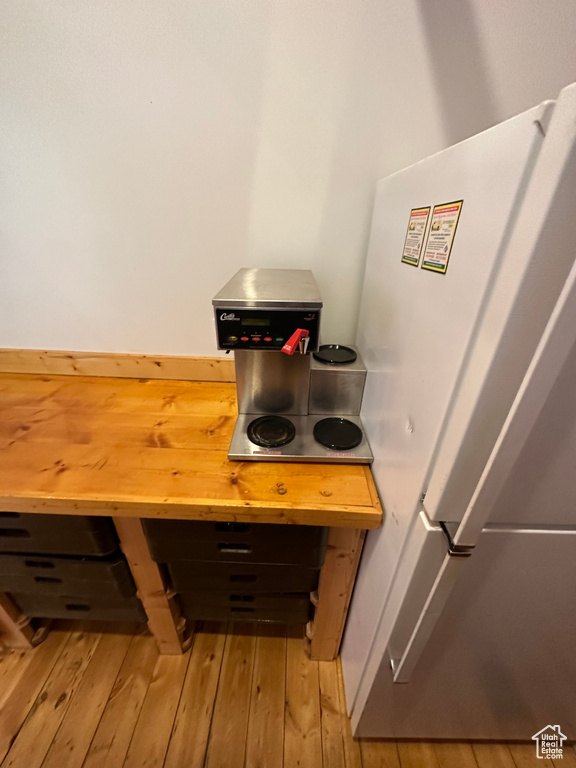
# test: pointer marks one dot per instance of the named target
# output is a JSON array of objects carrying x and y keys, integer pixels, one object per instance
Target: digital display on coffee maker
[
  {"x": 256, "y": 321},
  {"x": 240, "y": 328}
]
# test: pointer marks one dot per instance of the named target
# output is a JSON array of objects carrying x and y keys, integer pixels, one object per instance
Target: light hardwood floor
[{"x": 248, "y": 697}]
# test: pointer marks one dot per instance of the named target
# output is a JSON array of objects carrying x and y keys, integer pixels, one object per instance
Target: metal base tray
[{"x": 303, "y": 447}]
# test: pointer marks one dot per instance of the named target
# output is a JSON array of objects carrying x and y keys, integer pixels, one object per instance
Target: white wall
[{"x": 149, "y": 149}]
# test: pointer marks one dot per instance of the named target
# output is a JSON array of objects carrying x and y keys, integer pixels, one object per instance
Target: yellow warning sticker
[
  {"x": 415, "y": 235},
  {"x": 441, "y": 236}
]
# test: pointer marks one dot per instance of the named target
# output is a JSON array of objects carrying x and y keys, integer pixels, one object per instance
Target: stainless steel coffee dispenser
[
  {"x": 257, "y": 314},
  {"x": 270, "y": 318}
]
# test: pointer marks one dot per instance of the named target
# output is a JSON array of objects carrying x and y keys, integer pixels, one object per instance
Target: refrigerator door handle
[
  {"x": 455, "y": 550},
  {"x": 403, "y": 664}
]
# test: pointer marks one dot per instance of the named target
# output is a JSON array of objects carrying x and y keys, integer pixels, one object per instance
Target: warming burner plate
[
  {"x": 271, "y": 431},
  {"x": 302, "y": 448},
  {"x": 337, "y": 434}
]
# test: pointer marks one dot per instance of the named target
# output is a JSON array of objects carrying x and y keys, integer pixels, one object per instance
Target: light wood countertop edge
[{"x": 332, "y": 515}]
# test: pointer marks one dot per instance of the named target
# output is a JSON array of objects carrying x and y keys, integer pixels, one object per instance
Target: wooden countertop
[{"x": 157, "y": 448}]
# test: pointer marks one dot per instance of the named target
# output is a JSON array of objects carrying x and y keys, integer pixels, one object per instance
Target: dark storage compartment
[
  {"x": 189, "y": 575},
  {"x": 57, "y": 534},
  {"x": 66, "y": 566},
  {"x": 246, "y": 606},
  {"x": 52, "y": 575},
  {"x": 171, "y": 540},
  {"x": 75, "y": 606},
  {"x": 240, "y": 571}
]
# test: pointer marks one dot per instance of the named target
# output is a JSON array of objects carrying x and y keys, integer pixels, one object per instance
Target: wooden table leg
[
  {"x": 163, "y": 616},
  {"x": 15, "y": 629},
  {"x": 337, "y": 579}
]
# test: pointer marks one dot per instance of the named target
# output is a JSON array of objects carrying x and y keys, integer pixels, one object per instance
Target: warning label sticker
[
  {"x": 441, "y": 236},
  {"x": 415, "y": 235}
]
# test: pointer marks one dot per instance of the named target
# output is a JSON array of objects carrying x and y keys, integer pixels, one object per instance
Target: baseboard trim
[{"x": 119, "y": 364}]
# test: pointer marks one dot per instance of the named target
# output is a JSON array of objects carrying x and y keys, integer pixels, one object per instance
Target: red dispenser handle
[{"x": 292, "y": 344}]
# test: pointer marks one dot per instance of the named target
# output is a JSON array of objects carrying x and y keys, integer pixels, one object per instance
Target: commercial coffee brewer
[{"x": 270, "y": 319}]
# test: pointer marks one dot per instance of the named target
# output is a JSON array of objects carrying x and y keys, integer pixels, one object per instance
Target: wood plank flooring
[{"x": 244, "y": 696}]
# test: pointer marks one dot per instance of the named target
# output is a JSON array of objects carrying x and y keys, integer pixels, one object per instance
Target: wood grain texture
[
  {"x": 12, "y": 667},
  {"x": 74, "y": 736},
  {"x": 49, "y": 709},
  {"x": 133, "y": 448},
  {"x": 302, "y": 717},
  {"x": 456, "y": 754},
  {"x": 415, "y": 754},
  {"x": 568, "y": 758},
  {"x": 335, "y": 591},
  {"x": 524, "y": 756},
  {"x": 152, "y": 733},
  {"x": 165, "y": 717},
  {"x": 163, "y": 619},
  {"x": 265, "y": 738},
  {"x": 380, "y": 754},
  {"x": 110, "y": 744},
  {"x": 333, "y": 733},
  {"x": 227, "y": 745},
  {"x": 492, "y": 755},
  {"x": 15, "y": 629},
  {"x": 189, "y": 739},
  {"x": 116, "y": 364},
  {"x": 352, "y": 753},
  {"x": 16, "y": 702}
]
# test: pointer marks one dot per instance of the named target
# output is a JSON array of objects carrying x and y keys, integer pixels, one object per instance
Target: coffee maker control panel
[{"x": 245, "y": 328}]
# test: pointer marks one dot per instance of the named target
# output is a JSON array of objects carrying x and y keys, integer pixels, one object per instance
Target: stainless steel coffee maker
[{"x": 270, "y": 318}]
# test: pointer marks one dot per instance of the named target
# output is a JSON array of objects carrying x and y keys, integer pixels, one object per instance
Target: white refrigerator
[{"x": 463, "y": 619}]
